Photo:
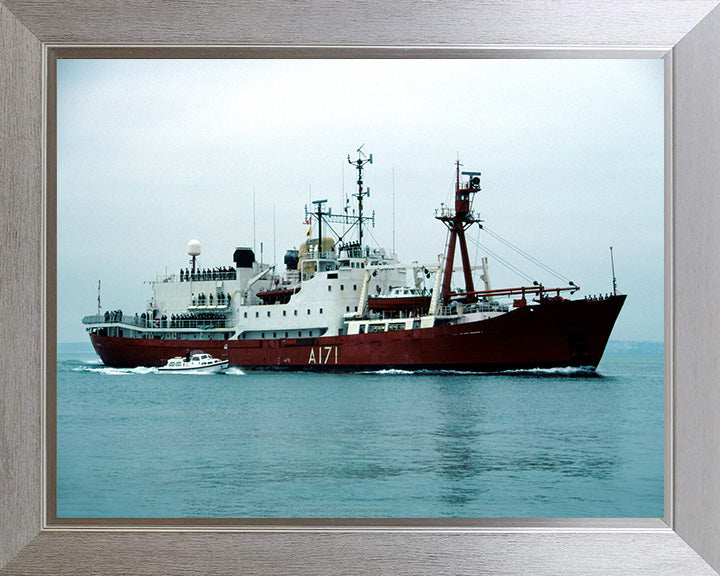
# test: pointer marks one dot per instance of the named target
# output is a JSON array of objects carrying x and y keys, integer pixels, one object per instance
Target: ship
[{"x": 340, "y": 304}]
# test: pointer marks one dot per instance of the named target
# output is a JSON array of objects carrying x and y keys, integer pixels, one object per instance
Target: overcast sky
[{"x": 154, "y": 153}]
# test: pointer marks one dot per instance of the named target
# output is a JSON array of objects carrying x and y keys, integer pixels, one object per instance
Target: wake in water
[
  {"x": 74, "y": 364},
  {"x": 566, "y": 372},
  {"x": 97, "y": 367},
  {"x": 233, "y": 371},
  {"x": 115, "y": 371},
  {"x": 393, "y": 371}
]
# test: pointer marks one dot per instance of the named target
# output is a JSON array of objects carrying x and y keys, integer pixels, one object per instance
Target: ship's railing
[
  {"x": 203, "y": 323},
  {"x": 191, "y": 322},
  {"x": 113, "y": 317},
  {"x": 447, "y": 213},
  {"x": 205, "y": 275},
  {"x": 198, "y": 276},
  {"x": 458, "y": 308},
  {"x": 486, "y": 307}
]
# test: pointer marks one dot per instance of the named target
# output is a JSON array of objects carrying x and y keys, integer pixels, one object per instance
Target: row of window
[
  {"x": 345, "y": 263},
  {"x": 342, "y": 287},
  {"x": 299, "y": 334},
  {"x": 284, "y": 313},
  {"x": 295, "y": 312},
  {"x": 391, "y": 327}
]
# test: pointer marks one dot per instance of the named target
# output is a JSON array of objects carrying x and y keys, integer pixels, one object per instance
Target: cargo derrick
[{"x": 457, "y": 221}]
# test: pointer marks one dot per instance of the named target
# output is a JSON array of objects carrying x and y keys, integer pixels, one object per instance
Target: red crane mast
[{"x": 457, "y": 221}]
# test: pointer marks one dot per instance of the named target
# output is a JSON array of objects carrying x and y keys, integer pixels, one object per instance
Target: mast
[
  {"x": 393, "y": 210},
  {"x": 485, "y": 274},
  {"x": 327, "y": 218},
  {"x": 457, "y": 221},
  {"x": 319, "y": 214},
  {"x": 359, "y": 164},
  {"x": 274, "y": 237},
  {"x": 612, "y": 264}
]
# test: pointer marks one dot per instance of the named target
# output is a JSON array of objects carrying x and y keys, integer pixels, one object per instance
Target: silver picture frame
[{"x": 685, "y": 33}]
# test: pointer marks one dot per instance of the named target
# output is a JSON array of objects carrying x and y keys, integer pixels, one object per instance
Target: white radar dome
[{"x": 194, "y": 248}]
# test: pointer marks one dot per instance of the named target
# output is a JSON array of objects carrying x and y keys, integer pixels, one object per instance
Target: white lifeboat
[{"x": 194, "y": 363}]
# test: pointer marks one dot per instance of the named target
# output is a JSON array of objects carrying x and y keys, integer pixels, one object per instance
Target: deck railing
[
  {"x": 168, "y": 323},
  {"x": 114, "y": 319},
  {"x": 454, "y": 309}
]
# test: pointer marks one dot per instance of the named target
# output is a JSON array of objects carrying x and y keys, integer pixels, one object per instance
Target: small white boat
[{"x": 195, "y": 363}]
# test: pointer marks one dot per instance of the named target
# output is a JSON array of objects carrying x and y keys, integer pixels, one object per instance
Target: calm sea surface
[{"x": 558, "y": 443}]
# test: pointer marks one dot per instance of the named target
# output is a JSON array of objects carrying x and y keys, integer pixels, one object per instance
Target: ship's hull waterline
[{"x": 569, "y": 333}]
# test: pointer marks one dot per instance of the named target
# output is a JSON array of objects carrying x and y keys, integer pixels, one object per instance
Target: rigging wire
[
  {"x": 374, "y": 240},
  {"x": 477, "y": 248},
  {"x": 502, "y": 260},
  {"x": 528, "y": 256}
]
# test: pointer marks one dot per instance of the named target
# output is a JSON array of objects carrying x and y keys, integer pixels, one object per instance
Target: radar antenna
[{"x": 193, "y": 250}]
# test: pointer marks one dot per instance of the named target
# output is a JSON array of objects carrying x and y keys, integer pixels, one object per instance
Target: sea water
[{"x": 135, "y": 443}]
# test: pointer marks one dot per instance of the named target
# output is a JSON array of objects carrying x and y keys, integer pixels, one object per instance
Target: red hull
[{"x": 555, "y": 334}]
